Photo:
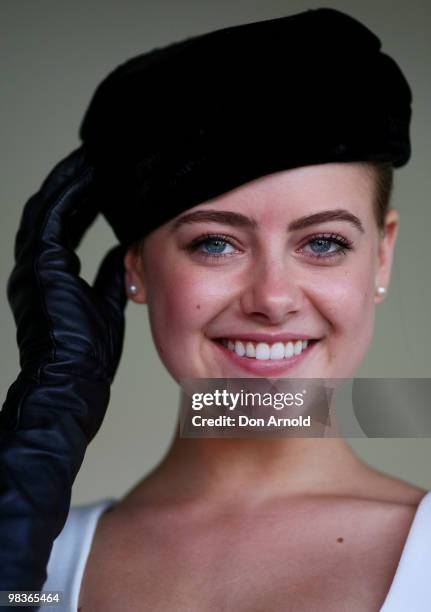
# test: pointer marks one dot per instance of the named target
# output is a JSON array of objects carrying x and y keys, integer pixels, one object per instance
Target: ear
[
  {"x": 386, "y": 246},
  {"x": 134, "y": 273}
]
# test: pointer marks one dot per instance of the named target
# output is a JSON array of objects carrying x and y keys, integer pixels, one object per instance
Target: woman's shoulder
[
  {"x": 382, "y": 488},
  {"x": 71, "y": 548}
]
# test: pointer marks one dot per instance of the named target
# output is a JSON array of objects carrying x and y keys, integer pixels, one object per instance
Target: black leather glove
[{"x": 70, "y": 338}]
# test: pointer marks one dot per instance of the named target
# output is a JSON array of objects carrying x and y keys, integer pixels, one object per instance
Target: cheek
[
  {"x": 181, "y": 301},
  {"x": 347, "y": 305},
  {"x": 348, "y": 294},
  {"x": 349, "y": 311}
]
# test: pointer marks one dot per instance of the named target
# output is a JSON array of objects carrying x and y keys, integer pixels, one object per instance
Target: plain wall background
[{"x": 54, "y": 54}]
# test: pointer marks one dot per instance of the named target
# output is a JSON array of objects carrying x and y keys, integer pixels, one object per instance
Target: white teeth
[
  {"x": 250, "y": 351},
  {"x": 239, "y": 348},
  {"x": 277, "y": 351},
  {"x": 298, "y": 347},
  {"x": 262, "y": 350},
  {"x": 289, "y": 350}
]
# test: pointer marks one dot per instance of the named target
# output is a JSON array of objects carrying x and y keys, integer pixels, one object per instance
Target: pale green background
[{"x": 54, "y": 54}]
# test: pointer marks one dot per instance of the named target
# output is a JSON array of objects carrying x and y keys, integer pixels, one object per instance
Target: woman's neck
[
  {"x": 260, "y": 467},
  {"x": 226, "y": 471}
]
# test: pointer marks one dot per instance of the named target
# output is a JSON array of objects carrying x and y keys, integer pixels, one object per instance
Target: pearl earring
[
  {"x": 133, "y": 289},
  {"x": 381, "y": 290}
]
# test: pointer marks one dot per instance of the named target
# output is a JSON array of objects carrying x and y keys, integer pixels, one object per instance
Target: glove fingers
[
  {"x": 63, "y": 172},
  {"x": 37, "y": 205},
  {"x": 62, "y": 210},
  {"x": 109, "y": 286},
  {"x": 109, "y": 281}
]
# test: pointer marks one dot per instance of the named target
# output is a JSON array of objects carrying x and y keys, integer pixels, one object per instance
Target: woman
[
  {"x": 277, "y": 523},
  {"x": 298, "y": 246}
]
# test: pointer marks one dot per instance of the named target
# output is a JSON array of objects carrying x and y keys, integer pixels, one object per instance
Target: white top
[
  {"x": 70, "y": 552},
  {"x": 410, "y": 589}
]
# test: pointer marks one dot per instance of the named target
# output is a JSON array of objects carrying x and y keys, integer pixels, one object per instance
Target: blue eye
[
  {"x": 321, "y": 245},
  {"x": 213, "y": 245}
]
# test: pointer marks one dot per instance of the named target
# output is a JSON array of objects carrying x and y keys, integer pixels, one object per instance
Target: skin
[
  {"x": 269, "y": 281},
  {"x": 265, "y": 283},
  {"x": 211, "y": 492}
]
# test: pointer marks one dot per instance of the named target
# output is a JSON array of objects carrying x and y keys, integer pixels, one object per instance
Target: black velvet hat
[{"x": 179, "y": 125}]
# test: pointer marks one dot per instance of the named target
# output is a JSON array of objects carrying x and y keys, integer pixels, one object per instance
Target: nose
[{"x": 272, "y": 292}]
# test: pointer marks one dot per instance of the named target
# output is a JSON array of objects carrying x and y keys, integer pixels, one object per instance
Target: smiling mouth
[
  {"x": 265, "y": 366},
  {"x": 265, "y": 352}
]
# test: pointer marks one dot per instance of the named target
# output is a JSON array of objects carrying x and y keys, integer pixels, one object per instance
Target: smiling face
[{"x": 291, "y": 256}]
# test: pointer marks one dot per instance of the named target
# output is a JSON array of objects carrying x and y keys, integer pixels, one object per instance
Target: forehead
[
  {"x": 294, "y": 198},
  {"x": 300, "y": 191}
]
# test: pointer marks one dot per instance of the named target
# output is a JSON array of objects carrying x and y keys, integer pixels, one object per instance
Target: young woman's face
[{"x": 292, "y": 256}]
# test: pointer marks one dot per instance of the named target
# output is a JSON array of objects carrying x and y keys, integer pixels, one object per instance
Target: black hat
[{"x": 181, "y": 124}]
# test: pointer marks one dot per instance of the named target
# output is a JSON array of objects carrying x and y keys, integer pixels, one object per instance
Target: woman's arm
[{"x": 70, "y": 338}]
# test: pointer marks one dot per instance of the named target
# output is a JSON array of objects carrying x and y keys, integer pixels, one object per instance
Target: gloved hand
[{"x": 70, "y": 338}]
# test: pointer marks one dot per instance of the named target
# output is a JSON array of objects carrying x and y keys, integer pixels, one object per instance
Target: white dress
[{"x": 410, "y": 590}]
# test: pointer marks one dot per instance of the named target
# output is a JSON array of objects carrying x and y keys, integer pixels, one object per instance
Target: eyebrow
[
  {"x": 216, "y": 216},
  {"x": 339, "y": 214},
  {"x": 238, "y": 220}
]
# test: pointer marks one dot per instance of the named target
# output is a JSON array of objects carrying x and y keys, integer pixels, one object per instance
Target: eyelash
[{"x": 343, "y": 244}]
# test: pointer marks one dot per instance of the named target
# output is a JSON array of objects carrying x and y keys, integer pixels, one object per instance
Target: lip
[
  {"x": 269, "y": 338},
  {"x": 265, "y": 367}
]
